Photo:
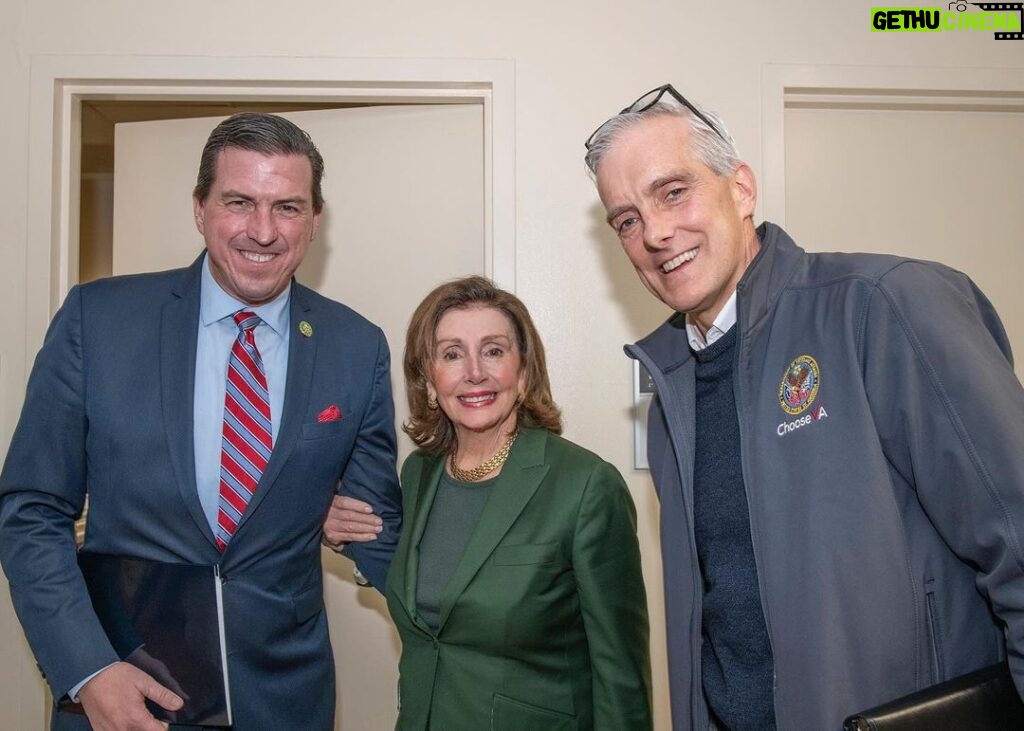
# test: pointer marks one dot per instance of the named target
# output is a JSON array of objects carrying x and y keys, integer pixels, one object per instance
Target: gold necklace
[{"x": 478, "y": 473}]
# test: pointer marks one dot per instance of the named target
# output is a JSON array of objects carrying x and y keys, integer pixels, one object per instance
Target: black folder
[
  {"x": 166, "y": 619},
  {"x": 985, "y": 700}
]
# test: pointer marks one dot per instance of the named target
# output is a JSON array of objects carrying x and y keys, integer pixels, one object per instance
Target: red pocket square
[{"x": 331, "y": 413}]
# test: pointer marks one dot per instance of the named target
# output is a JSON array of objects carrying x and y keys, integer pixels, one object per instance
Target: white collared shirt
[{"x": 725, "y": 320}]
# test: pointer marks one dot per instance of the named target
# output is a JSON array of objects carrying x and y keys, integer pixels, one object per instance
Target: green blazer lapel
[
  {"x": 415, "y": 523},
  {"x": 519, "y": 480}
]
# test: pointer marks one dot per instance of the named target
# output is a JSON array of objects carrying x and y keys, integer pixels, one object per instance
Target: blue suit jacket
[{"x": 109, "y": 412}]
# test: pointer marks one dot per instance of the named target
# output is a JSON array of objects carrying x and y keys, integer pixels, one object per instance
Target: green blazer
[{"x": 543, "y": 626}]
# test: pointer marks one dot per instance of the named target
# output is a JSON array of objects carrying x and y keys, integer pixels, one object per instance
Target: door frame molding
[
  {"x": 867, "y": 87},
  {"x": 60, "y": 83}
]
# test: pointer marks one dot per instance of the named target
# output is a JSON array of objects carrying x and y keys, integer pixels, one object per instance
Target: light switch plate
[{"x": 643, "y": 392}]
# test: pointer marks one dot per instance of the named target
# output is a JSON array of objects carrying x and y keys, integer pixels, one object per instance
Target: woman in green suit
[{"x": 516, "y": 586}]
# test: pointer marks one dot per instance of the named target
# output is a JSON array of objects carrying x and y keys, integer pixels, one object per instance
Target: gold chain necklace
[{"x": 478, "y": 473}]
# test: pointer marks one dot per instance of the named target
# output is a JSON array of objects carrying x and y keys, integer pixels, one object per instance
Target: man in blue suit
[{"x": 128, "y": 403}]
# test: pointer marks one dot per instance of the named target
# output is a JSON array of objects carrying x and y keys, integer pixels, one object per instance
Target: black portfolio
[
  {"x": 985, "y": 700},
  {"x": 166, "y": 619}
]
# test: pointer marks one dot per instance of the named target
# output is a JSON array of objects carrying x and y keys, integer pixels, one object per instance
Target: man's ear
[
  {"x": 316, "y": 225},
  {"x": 199, "y": 211},
  {"x": 744, "y": 190}
]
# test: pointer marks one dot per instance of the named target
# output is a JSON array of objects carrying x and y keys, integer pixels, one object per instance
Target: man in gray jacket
[{"x": 836, "y": 443}]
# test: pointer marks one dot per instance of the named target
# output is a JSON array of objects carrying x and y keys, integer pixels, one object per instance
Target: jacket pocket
[
  {"x": 526, "y": 553},
  {"x": 323, "y": 430},
  {"x": 308, "y": 603},
  {"x": 508, "y": 714},
  {"x": 934, "y": 632}
]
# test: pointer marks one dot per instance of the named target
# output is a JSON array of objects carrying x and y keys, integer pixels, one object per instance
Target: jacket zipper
[
  {"x": 934, "y": 633},
  {"x": 739, "y": 372}
]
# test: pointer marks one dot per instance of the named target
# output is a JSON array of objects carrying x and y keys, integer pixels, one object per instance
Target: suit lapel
[
  {"x": 178, "y": 325},
  {"x": 301, "y": 360},
  {"x": 519, "y": 480}
]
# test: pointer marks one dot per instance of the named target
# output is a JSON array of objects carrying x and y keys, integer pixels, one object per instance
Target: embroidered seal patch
[{"x": 799, "y": 385}]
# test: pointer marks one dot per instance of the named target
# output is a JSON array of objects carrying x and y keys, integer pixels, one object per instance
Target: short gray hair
[
  {"x": 267, "y": 134},
  {"x": 714, "y": 148}
]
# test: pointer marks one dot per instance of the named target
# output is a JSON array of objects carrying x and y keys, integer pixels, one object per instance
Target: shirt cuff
[{"x": 73, "y": 693}]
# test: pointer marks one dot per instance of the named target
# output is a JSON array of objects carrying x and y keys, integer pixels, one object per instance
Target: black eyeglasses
[{"x": 651, "y": 98}]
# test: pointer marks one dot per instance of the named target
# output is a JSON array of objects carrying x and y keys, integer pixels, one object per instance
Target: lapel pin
[{"x": 306, "y": 329}]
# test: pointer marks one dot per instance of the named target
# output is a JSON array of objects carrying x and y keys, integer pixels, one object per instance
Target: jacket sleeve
[
  {"x": 370, "y": 474},
  {"x": 42, "y": 492},
  {"x": 950, "y": 414},
  {"x": 609, "y": 581}
]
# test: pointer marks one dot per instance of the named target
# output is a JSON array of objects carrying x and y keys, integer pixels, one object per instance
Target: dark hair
[
  {"x": 265, "y": 133},
  {"x": 430, "y": 428}
]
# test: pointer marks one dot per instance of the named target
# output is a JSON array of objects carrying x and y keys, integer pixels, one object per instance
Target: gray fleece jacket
[{"x": 882, "y": 442}]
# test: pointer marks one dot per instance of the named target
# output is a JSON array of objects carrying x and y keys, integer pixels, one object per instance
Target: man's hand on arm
[
  {"x": 114, "y": 700},
  {"x": 350, "y": 520}
]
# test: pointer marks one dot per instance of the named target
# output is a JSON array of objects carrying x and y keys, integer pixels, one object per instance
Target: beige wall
[{"x": 575, "y": 62}]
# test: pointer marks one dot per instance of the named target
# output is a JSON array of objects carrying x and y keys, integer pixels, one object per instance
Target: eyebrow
[
  {"x": 297, "y": 200},
  {"x": 485, "y": 338},
  {"x": 682, "y": 175},
  {"x": 616, "y": 212}
]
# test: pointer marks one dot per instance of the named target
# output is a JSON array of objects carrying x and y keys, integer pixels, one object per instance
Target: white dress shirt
[{"x": 725, "y": 320}]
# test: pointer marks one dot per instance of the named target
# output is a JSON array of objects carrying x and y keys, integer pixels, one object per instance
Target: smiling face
[
  {"x": 688, "y": 232},
  {"x": 476, "y": 372},
  {"x": 258, "y": 222}
]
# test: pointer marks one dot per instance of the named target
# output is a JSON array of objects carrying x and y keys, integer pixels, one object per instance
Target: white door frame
[
  {"x": 60, "y": 83},
  {"x": 866, "y": 87}
]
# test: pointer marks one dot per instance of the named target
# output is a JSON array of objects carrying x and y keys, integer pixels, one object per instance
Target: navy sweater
[{"x": 736, "y": 658}]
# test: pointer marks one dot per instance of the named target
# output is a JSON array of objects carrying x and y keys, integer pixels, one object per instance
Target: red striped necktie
[{"x": 246, "y": 442}]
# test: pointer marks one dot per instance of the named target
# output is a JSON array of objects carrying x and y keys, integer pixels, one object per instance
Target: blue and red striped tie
[{"x": 246, "y": 442}]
